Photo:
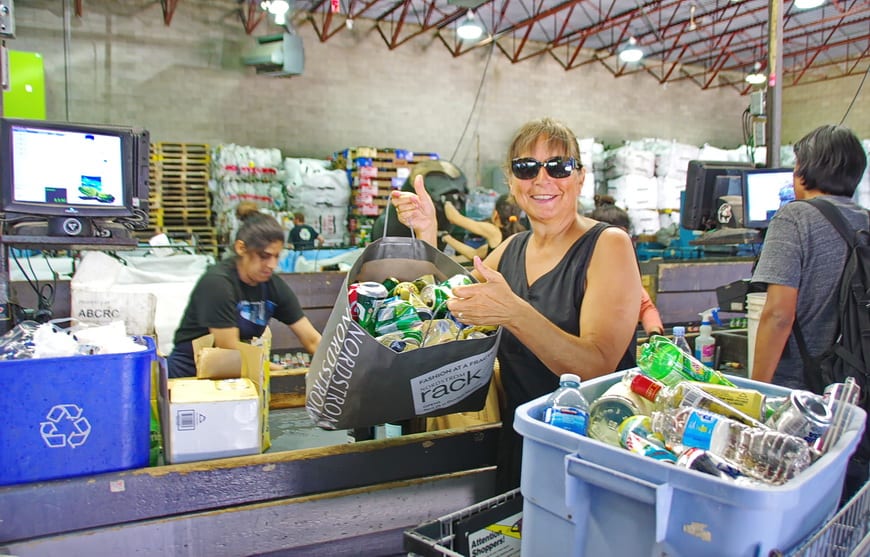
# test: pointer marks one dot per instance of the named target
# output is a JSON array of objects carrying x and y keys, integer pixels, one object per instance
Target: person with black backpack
[{"x": 802, "y": 262}]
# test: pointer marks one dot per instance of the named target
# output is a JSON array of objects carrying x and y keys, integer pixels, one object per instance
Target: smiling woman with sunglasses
[{"x": 564, "y": 292}]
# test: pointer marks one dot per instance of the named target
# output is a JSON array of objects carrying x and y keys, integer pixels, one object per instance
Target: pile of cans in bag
[{"x": 404, "y": 315}]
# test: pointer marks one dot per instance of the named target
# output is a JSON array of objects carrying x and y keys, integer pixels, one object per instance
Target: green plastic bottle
[{"x": 663, "y": 360}]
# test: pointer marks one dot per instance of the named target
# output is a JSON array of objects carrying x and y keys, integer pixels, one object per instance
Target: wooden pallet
[
  {"x": 191, "y": 150},
  {"x": 174, "y": 216}
]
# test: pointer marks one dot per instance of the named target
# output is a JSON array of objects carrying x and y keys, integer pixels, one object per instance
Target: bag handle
[{"x": 387, "y": 217}]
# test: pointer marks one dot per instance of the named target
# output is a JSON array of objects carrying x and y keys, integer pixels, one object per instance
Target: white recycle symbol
[{"x": 65, "y": 427}]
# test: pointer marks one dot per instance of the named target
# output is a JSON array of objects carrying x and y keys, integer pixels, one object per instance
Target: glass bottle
[
  {"x": 684, "y": 393},
  {"x": 663, "y": 360},
  {"x": 566, "y": 407},
  {"x": 764, "y": 454}
]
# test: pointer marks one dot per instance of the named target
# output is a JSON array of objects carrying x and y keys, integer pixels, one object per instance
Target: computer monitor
[
  {"x": 700, "y": 205},
  {"x": 762, "y": 189},
  {"x": 63, "y": 170}
]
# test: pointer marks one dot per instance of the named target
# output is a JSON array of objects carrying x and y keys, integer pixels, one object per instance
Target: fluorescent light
[
  {"x": 756, "y": 78},
  {"x": 277, "y": 8},
  {"x": 469, "y": 29},
  {"x": 807, "y": 4},
  {"x": 631, "y": 53}
]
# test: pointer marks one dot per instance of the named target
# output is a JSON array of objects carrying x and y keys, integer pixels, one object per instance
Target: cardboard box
[
  {"x": 250, "y": 361},
  {"x": 211, "y": 418}
]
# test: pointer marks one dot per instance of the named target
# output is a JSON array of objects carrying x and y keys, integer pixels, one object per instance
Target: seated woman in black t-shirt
[{"x": 235, "y": 298}]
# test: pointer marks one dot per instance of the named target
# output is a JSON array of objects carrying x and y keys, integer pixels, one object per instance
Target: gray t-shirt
[{"x": 804, "y": 251}]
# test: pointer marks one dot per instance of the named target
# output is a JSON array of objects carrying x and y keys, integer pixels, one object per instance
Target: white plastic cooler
[{"x": 597, "y": 499}]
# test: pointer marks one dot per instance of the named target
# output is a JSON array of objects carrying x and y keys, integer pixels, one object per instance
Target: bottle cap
[
  {"x": 679, "y": 330},
  {"x": 569, "y": 377}
]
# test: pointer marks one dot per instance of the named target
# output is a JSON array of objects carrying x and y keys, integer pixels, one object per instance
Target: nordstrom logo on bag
[
  {"x": 327, "y": 395},
  {"x": 450, "y": 384}
]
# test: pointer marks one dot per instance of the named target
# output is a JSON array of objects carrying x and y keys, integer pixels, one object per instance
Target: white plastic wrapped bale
[
  {"x": 673, "y": 160},
  {"x": 711, "y": 153},
  {"x": 148, "y": 293},
  {"x": 633, "y": 191},
  {"x": 669, "y": 191},
  {"x": 644, "y": 221},
  {"x": 628, "y": 160},
  {"x": 322, "y": 194}
]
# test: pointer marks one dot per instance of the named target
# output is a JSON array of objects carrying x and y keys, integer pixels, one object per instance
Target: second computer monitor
[{"x": 764, "y": 191}]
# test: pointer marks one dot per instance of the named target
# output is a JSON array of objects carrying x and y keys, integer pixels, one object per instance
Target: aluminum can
[
  {"x": 405, "y": 289},
  {"x": 803, "y": 415},
  {"x": 395, "y": 314},
  {"x": 390, "y": 284},
  {"x": 364, "y": 299},
  {"x": 435, "y": 296},
  {"x": 423, "y": 281},
  {"x": 458, "y": 280}
]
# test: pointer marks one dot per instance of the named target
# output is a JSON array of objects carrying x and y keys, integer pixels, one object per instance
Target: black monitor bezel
[
  {"x": 699, "y": 207},
  {"x": 747, "y": 223},
  {"x": 71, "y": 209}
]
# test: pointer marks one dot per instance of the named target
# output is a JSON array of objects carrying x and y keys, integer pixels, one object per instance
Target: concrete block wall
[{"x": 185, "y": 83}]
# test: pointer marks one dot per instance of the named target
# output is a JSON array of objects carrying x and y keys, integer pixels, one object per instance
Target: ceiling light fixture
[
  {"x": 807, "y": 4},
  {"x": 692, "y": 25},
  {"x": 469, "y": 29},
  {"x": 756, "y": 77},
  {"x": 277, "y": 8},
  {"x": 631, "y": 53}
]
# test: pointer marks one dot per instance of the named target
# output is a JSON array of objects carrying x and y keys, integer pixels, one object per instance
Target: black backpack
[{"x": 849, "y": 356}]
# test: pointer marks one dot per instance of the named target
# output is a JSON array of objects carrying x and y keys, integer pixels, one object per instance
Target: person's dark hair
[
  {"x": 258, "y": 230},
  {"x": 510, "y": 215},
  {"x": 830, "y": 159},
  {"x": 607, "y": 211}
]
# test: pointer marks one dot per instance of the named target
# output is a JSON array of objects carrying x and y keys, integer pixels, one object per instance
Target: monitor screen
[
  {"x": 59, "y": 169},
  {"x": 700, "y": 205},
  {"x": 764, "y": 190}
]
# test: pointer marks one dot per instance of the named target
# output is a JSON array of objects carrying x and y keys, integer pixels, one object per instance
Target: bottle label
[
  {"x": 706, "y": 353},
  {"x": 647, "y": 387},
  {"x": 638, "y": 444},
  {"x": 699, "y": 430},
  {"x": 567, "y": 417}
]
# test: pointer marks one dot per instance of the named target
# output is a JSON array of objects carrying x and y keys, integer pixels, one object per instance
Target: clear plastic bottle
[
  {"x": 663, "y": 360},
  {"x": 567, "y": 408},
  {"x": 680, "y": 339},
  {"x": 610, "y": 409},
  {"x": 686, "y": 393},
  {"x": 764, "y": 454}
]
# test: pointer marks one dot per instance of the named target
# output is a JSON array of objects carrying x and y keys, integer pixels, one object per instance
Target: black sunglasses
[{"x": 557, "y": 167}]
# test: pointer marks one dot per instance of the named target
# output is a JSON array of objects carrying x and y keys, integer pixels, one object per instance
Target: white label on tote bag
[{"x": 449, "y": 384}]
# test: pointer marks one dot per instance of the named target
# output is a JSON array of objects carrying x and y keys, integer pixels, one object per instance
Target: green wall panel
[{"x": 26, "y": 95}]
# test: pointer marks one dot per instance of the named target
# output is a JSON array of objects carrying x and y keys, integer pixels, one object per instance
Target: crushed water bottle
[
  {"x": 767, "y": 455},
  {"x": 567, "y": 408}
]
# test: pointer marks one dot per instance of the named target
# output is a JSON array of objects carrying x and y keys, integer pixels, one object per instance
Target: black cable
[
  {"x": 476, "y": 98},
  {"x": 858, "y": 92}
]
